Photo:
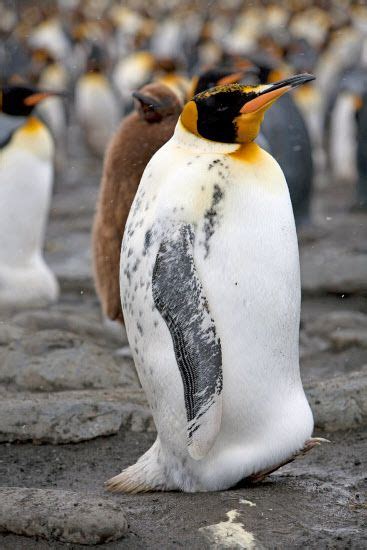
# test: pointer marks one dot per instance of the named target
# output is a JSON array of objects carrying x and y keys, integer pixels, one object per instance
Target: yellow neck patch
[
  {"x": 33, "y": 125},
  {"x": 248, "y": 152},
  {"x": 35, "y": 138}
]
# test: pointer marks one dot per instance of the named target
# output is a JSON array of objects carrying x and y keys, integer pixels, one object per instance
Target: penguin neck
[{"x": 191, "y": 141}]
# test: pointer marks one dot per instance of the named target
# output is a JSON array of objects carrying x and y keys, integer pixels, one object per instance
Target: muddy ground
[
  {"x": 48, "y": 360},
  {"x": 316, "y": 502}
]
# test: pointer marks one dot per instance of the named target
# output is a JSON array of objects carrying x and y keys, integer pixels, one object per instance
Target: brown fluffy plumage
[{"x": 139, "y": 136}]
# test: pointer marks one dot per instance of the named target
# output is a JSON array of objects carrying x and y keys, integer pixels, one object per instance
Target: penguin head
[
  {"x": 21, "y": 100},
  {"x": 156, "y": 101},
  {"x": 234, "y": 113}
]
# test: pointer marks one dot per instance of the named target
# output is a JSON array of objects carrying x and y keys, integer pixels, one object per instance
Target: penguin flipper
[{"x": 179, "y": 297}]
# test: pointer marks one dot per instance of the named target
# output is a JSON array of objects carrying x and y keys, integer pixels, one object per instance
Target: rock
[
  {"x": 9, "y": 333},
  {"x": 341, "y": 402},
  {"x": 326, "y": 324},
  {"x": 69, "y": 257},
  {"x": 90, "y": 326},
  {"x": 63, "y": 516},
  {"x": 341, "y": 329},
  {"x": 69, "y": 417},
  {"x": 343, "y": 339},
  {"x": 54, "y": 360},
  {"x": 329, "y": 268},
  {"x": 309, "y": 345},
  {"x": 80, "y": 324}
]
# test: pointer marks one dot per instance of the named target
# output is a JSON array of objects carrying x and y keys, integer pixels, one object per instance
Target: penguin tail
[{"x": 145, "y": 475}]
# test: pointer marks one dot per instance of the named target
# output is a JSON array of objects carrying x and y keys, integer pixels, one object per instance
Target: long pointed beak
[
  {"x": 274, "y": 91},
  {"x": 37, "y": 97}
]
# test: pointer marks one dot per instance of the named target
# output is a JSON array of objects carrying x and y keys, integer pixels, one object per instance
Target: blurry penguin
[
  {"x": 53, "y": 76},
  {"x": 210, "y": 244},
  {"x": 96, "y": 106},
  {"x": 139, "y": 136},
  {"x": 50, "y": 35},
  {"x": 130, "y": 73},
  {"x": 361, "y": 198},
  {"x": 290, "y": 144},
  {"x": 26, "y": 175},
  {"x": 284, "y": 134},
  {"x": 341, "y": 124}
]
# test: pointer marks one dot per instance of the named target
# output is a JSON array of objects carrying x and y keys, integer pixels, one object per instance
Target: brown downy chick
[{"x": 139, "y": 136}]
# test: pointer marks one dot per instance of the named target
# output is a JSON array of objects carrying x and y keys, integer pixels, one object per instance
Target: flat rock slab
[
  {"x": 341, "y": 402},
  {"x": 61, "y": 515},
  {"x": 62, "y": 417},
  {"x": 333, "y": 269},
  {"x": 65, "y": 417},
  {"x": 56, "y": 360}
]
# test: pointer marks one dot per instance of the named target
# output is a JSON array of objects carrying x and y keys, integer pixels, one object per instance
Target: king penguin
[
  {"x": 210, "y": 285},
  {"x": 26, "y": 176}
]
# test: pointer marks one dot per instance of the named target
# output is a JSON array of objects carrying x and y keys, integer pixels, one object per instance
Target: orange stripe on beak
[
  {"x": 37, "y": 97},
  {"x": 264, "y": 99}
]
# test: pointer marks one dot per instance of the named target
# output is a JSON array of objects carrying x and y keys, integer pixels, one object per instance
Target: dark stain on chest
[{"x": 211, "y": 217}]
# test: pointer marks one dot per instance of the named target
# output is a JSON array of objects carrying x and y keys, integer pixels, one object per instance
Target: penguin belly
[
  {"x": 97, "y": 110},
  {"x": 343, "y": 139},
  {"x": 246, "y": 258},
  {"x": 25, "y": 192}
]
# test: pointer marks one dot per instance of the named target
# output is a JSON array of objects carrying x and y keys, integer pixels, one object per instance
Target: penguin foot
[
  {"x": 145, "y": 475},
  {"x": 309, "y": 444}
]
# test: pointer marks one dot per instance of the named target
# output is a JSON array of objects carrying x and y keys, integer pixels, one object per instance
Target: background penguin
[
  {"x": 210, "y": 247},
  {"x": 286, "y": 133},
  {"x": 139, "y": 136},
  {"x": 361, "y": 199},
  {"x": 26, "y": 175},
  {"x": 287, "y": 139},
  {"x": 130, "y": 73},
  {"x": 96, "y": 106},
  {"x": 53, "y": 76},
  {"x": 340, "y": 124}
]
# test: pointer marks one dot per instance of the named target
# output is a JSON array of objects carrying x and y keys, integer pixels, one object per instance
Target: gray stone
[
  {"x": 347, "y": 338},
  {"x": 66, "y": 417},
  {"x": 9, "y": 333},
  {"x": 328, "y": 323},
  {"x": 54, "y": 360},
  {"x": 69, "y": 257},
  {"x": 61, "y": 515},
  {"x": 333, "y": 269},
  {"x": 309, "y": 345},
  {"x": 62, "y": 417},
  {"x": 87, "y": 323},
  {"x": 338, "y": 330},
  {"x": 80, "y": 324},
  {"x": 341, "y": 402}
]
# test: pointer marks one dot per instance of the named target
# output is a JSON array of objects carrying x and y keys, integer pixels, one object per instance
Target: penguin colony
[{"x": 175, "y": 102}]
